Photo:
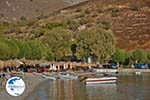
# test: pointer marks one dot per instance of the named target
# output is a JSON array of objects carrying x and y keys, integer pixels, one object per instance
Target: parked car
[
  {"x": 114, "y": 66},
  {"x": 141, "y": 66}
]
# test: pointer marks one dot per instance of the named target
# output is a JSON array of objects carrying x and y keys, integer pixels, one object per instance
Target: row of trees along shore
[{"x": 58, "y": 44}]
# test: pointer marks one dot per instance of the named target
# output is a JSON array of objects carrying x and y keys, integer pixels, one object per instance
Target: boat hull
[
  {"x": 68, "y": 76},
  {"x": 48, "y": 77},
  {"x": 104, "y": 80}
]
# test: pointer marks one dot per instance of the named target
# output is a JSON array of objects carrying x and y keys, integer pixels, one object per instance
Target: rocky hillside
[
  {"x": 12, "y": 10},
  {"x": 128, "y": 19}
]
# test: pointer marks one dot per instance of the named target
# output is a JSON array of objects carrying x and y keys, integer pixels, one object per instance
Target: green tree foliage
[
  {"x": 52, "y": 25},
  {"x": 49, "y": 55},
  {"x": 148, "y": 57},
  {"x": 11, "y": 49},
  {"x": 36, "y": 49},
  {"x": 6, "y": 28},
  {"x": 59, "y": 40},
  {"x": 8, "y": 49},
  {"x": 31, "y": 50},
  {"x": 4, "y": 50},
  {"x": 38, "y": 32},
  {"x": 139, "y": 55},
  {"x": 72, "y": 24},
  {"x": 121, "y": 57},
  {"x": 25, "y": 50},
  {"x": 96, "y": 43},
  {"x": 105, "y": 24},
  {"x": 21, "y": 47}
]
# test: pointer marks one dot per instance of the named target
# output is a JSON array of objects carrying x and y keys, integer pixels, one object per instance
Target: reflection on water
[
  {"x": 101, "y": 91},
  {"x": 134, "y": 87},
  {"x": 127, "y": 88}
]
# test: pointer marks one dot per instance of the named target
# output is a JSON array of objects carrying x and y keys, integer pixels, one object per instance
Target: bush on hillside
[
  {"x": 72, "y": 24},
  {"x": 52, "y": 25},
  {"x": 115, "y": 14},
  {"x": 104, "y": 24},
  {"x": 135, "y": 7}
]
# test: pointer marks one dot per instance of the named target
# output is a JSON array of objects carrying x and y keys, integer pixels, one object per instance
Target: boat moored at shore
[
  {"x": 68, "y": 75},
  {"x": 101, "y": 80}
]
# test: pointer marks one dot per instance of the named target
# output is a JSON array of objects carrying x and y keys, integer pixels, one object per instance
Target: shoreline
[
  {"x": 31, "y": 82},
  {"x": 123, "y": 71}
]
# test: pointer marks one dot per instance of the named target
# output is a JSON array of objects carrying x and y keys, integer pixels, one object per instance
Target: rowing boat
[{"x": 101, "y": 80}]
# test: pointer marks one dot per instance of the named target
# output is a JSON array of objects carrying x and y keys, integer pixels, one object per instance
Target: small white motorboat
[
  {"x": 102, "y": 80},
  {"x": 37, "y": 74},
  {"x": 54, "y": 74},
  {"x": 68, "y": 75},
  {"x": 48, "y": 77}
]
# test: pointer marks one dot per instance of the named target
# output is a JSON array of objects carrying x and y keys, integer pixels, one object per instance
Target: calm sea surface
[{"x": 129, "y": 87}]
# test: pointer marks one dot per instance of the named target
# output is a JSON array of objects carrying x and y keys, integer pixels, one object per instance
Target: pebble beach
[{"x": 31, "y": 82}]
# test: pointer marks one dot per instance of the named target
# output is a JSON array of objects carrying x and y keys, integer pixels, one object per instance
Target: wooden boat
[
  {"x": 102, "y": 80},
  {"x": 67, "y": 75}
]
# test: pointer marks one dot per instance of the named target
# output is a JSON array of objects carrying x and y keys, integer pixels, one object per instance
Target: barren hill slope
[
  {"x": 129, "y": 19},
  {"x": 12, "y": 10}
]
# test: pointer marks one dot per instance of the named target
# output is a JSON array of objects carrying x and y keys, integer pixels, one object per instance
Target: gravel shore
[{"x": 31, "y": 82}]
